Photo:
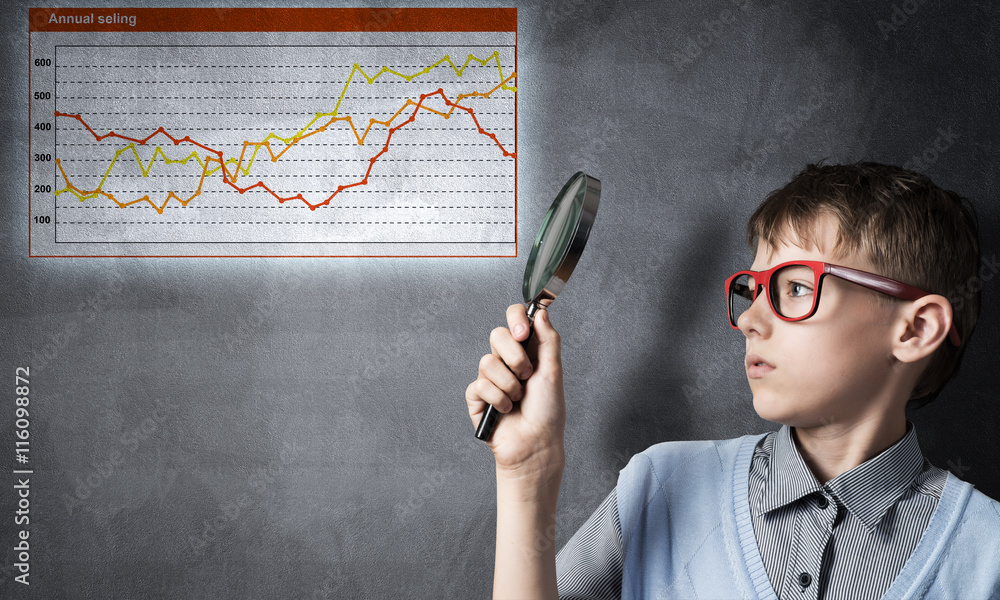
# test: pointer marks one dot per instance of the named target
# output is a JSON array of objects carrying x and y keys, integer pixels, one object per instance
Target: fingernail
[
  {"x": 525, "y": 373},
  {"x": 518, "y": 330},
  {"x": 507, "y": 406}
]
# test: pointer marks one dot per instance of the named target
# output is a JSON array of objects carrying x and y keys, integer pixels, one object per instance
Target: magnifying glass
[{"x": 557, "y": 249}]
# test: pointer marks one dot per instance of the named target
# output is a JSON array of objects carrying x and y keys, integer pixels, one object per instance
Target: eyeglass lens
[{"x": 791, "y": 290}]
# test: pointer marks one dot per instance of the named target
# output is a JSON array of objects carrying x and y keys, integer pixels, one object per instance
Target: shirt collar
[
  {"x": 788, "y": 478},
  {"x": 868, "y": 491}
]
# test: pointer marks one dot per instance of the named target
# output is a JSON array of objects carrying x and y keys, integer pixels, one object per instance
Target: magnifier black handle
[{"x": 492, "y": 416}]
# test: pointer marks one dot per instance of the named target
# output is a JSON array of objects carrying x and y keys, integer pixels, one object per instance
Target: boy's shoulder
[
  {"x": 690, "y": 448},
  {"x": 963, "y": 539},
  {"x": 982, "y": 511},
  {"x": 665, "y": 460}
]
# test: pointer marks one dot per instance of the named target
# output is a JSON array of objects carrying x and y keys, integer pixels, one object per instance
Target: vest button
[
  {"x": 805, "y": 579},
  {"x": 823, "y": 502}
]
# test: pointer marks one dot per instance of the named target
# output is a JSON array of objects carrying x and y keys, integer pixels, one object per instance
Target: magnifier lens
[{"x": 554, "y": 238}]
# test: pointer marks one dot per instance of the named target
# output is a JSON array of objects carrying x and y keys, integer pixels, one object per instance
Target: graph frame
[{"x": 301, "y": 20}]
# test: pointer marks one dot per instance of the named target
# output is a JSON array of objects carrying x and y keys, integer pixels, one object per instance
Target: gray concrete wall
[{"x": 295, "y": 428}]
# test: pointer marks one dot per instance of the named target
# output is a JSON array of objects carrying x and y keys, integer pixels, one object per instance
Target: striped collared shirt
[{"x": 848, "y": 538}]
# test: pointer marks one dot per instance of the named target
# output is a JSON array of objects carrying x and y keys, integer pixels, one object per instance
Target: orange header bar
[{"x": 272, "y": 19}]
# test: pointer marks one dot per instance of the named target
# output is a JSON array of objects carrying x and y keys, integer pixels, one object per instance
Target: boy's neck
[{"x": 831, "y": 449}]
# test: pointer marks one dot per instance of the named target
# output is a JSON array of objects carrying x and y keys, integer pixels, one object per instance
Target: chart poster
[{"x": 273, "y": 132}]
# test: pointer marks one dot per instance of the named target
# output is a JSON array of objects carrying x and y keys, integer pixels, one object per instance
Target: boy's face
[{"x": 830, "y": 368}]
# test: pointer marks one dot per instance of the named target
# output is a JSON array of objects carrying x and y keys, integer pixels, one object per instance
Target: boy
[{"x": 849, "y": 316}]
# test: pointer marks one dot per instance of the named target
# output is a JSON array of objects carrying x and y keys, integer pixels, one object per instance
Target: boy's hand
[{"x": 528, "y": 439}]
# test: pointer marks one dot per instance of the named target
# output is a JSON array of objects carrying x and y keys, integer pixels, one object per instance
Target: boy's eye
[
  {"x": 794, "y": 282},
  {"x": 796, "y": 289}
]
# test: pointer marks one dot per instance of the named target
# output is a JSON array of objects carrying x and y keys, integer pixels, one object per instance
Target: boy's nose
[{"x": 757, "y": 318}]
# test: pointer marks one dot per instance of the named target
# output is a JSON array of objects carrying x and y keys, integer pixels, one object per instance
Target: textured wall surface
[{"x": 295, "y": 428}]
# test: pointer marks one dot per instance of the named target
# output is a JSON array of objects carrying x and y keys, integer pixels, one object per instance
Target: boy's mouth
[{"x": 757, "y": 367}]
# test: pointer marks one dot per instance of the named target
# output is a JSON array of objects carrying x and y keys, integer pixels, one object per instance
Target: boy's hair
[{"x": 908, "y": 228}]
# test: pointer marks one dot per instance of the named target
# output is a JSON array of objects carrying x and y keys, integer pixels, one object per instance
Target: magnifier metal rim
[{"x": 588, "y": 210}]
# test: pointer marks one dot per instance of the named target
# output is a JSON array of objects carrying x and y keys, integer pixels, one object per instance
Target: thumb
[{"x": 548, "y": 341}]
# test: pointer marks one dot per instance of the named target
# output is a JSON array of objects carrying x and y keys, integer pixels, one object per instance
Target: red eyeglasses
[{"x": 793, "y": 290}]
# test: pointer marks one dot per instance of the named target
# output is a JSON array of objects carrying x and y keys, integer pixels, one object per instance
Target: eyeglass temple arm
[{"x": 891, "y": 287}]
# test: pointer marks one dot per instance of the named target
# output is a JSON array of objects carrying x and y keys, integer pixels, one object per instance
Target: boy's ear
[{"x": 923, "y": 326}]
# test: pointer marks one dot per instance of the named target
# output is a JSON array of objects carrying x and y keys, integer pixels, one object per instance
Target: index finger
[{"x": 517, "y": 321}]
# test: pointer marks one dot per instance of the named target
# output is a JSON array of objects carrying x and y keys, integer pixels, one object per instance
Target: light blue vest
[{"x": 686, "y": 531}]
